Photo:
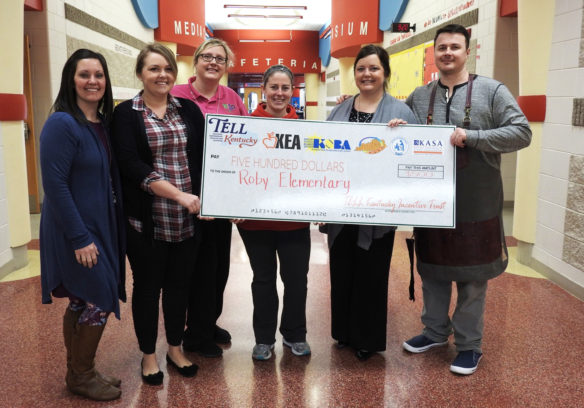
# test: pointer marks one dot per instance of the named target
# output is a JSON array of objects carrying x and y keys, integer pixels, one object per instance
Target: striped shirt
[{"x": 167, "y": 139}]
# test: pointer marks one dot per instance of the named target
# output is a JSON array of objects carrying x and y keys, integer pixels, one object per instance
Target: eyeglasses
[{"x": 209, "y": 58}]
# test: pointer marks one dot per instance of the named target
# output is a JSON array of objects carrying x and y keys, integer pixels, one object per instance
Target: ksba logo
[
  {"x": 318, "y": 144},
  {"x": 230, "y": 132},
  {"x": 281, "y": 141}
]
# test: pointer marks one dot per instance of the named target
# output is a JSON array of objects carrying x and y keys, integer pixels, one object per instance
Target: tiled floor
[{"x": 533, "y": 345}]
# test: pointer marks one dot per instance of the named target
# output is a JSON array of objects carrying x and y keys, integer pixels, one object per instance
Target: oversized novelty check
[{"x": 336, "y": 172}]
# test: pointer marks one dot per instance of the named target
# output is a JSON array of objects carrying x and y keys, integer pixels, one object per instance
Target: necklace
[{"x": 367, "y": 116}]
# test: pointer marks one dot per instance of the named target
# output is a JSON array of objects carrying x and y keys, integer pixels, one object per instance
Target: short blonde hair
[
  {"x": 212, "y": 42},
  {"x": 158, "y": 49}
]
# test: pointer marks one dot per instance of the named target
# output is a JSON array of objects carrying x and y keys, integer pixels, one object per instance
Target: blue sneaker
[
  {"x": 466, "y": 362},
  {"x": 421, "y": 343},
  {"x": 300, "y": 348},
  {"x": 262, "y": 351}
]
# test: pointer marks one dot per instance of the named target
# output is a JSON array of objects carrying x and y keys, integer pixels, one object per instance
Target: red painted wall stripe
[
  {"x": 33, "y": 5},
  {"x": 533, "y": 106},
  {"x": 12, "y": 107},
  {"x": 508, "y": 8}
]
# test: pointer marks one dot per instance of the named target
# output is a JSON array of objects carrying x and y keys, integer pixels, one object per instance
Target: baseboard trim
[
  {"x": 524, "y": 256},
  {"x": 19, "y": 260}
]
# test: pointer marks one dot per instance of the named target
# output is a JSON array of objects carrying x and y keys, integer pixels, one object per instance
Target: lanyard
[{"x": 467, "y": 108}]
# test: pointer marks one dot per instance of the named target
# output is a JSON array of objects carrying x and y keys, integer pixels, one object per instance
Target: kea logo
[
  {"x": 270, "y": 141},
  {"x": 282, "y": 141}
]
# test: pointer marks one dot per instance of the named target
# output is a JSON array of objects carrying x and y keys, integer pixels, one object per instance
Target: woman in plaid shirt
[{"x": 158, "y": 140}]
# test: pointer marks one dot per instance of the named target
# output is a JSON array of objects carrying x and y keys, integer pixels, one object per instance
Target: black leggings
[
  {"x": 159, "y": 266},
  {"x": 292, "y": 249},
  {"x": 208, "y": 281}
]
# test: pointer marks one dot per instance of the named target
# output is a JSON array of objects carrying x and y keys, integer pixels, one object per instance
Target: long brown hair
[{"x": 66, "y": 100}]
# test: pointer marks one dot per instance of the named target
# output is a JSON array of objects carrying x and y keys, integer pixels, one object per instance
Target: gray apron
[{"x": 475, "y": 249}]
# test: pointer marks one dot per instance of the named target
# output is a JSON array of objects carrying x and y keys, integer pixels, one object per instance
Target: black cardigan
[{"x": 135, "y": 160}]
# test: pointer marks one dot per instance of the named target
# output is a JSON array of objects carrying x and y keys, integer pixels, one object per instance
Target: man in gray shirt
[{"x": 489, "y": 122}]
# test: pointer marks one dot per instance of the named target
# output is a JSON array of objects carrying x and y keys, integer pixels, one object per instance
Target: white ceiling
[{"x": 316, "y": 14}]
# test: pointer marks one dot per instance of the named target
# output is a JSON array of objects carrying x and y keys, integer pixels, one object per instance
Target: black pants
[
  {"x": 159, "y": 266},
  {"x": 359, "y": 280},
  {"x": 292, "y": 249},
  {"x": 208, "y": 281}
]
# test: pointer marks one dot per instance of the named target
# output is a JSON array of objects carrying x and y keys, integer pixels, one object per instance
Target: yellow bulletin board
[{"x": 407, "y": 71}]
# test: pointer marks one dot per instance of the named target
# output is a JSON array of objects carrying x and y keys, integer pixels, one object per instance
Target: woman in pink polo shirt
[{"x": 208, "y": 283}]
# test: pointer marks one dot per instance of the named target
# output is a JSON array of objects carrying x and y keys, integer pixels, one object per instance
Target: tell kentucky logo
[{"x": 230, "y": 132}]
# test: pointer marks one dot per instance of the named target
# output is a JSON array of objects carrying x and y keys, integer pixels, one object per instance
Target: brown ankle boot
[
  {"x": 83, "y": 379},
  {"x": 70, "y": 320}
]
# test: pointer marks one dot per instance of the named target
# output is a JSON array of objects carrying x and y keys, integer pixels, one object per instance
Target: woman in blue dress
[{"x": 81, "y": 231}]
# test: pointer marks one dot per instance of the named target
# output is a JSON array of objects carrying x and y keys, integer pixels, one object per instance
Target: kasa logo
[
  {"x": 428, "y": 146},
  {"x": 281, "y": 141},
  {"x": 427, "y": 143},
  {"x": 318, "y": 144}
]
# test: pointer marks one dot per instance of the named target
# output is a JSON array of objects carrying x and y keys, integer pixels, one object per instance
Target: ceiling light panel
[{"x": 274, "y": 14}]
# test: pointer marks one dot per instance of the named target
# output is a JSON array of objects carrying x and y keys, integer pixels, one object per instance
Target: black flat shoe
[
  {"x": 363, "y": 355},
  {"x": 186, "y": 371},
  {"x": 151, "y": 379},
  {"x": 222, "y": 336}
]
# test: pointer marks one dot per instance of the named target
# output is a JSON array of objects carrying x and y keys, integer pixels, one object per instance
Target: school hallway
[{"x": 533, "y": 346}]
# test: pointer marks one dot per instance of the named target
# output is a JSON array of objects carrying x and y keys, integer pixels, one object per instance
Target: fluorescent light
[
  {"x": 257, "y": 6},
  {"x": 262, "y": 16},
  {"x": 261, "y": 41}
]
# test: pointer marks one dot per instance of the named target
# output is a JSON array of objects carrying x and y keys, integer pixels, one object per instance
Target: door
[{"x": 29, "y": 136}]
